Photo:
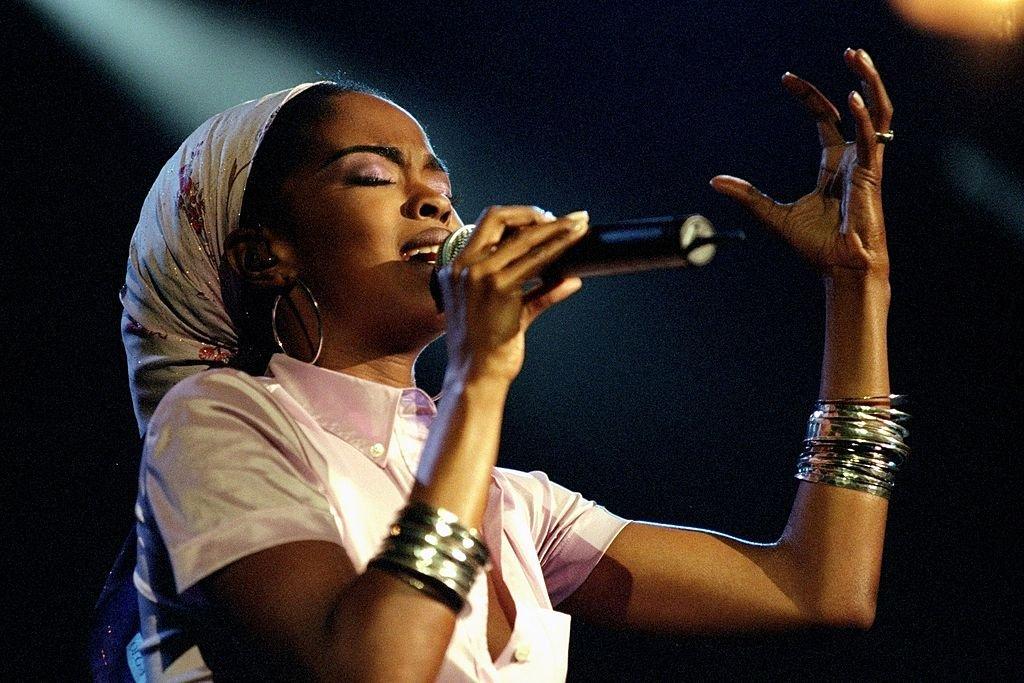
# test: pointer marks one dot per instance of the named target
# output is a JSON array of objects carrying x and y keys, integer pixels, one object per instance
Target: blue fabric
[{"x": 115, "y": 620}]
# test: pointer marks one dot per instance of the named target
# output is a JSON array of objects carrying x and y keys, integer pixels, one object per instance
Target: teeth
[{"x": 432, "y": 249}]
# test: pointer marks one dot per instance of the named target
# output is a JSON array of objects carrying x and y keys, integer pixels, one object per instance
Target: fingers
[
  {"x": 819, "y": 106},
  {"x": 527, "y": 238},
  {"x": 547, "y": 295},
  {"x": 760, "y": 205},
  {"x": 491, "y": 226},
  {"x": 529, "y": 262},
  {"x": 866, "y": 143},
  {"x": 878, "y": 103},
  {"x": 506, "y": 266}
]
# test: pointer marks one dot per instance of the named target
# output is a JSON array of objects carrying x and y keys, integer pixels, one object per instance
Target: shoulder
[
  {"x": 534, "y": 485},
  {"x": 224, "y": 392},
  {"x": 543, "y": 501},
  {"x": 553, "y": 508},
  {"x": 220, "y": 384},
  {"x": 219, "y": 410}
]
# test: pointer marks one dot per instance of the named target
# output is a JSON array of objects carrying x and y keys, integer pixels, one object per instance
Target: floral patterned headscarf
[{"x": 175, "y": 322}]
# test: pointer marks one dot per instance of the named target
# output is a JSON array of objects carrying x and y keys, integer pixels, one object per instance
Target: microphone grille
[{"x": 454, "y": 244}]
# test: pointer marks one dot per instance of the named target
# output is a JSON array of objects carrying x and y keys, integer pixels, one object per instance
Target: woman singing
[{"x": 305, "y": 512}]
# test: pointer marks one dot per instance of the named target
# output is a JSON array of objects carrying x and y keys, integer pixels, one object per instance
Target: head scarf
[{"x": 175, "y": 322}]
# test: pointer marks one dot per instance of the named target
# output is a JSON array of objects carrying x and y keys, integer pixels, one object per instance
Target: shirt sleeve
[
  {"x": 571, "y": 533},
  {"x": 226, "y": 475}
]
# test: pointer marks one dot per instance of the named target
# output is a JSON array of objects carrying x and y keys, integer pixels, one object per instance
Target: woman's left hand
[{"x": 839, "y": 226}]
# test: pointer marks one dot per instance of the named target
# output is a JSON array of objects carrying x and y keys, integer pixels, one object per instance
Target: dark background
[{"x": 674, "y": 396}]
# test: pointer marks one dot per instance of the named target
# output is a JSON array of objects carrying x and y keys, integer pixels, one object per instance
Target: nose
[{"x": 428, "y": 203}]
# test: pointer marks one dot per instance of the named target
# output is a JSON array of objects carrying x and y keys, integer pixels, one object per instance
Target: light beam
[{"x": 183, "y": 61}]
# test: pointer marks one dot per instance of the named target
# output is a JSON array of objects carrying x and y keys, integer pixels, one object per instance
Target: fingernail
[
  {"x": 867, "y": 57},
  {"x": 847, "y": 50},
  {"x": 580, "y": 219},
  {"x": 550, "y": 216},
  {"x": 857, "y": 98}
]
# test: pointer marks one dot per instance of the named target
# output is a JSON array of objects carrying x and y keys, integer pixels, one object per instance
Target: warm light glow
[{"x": 981, "y": 20}]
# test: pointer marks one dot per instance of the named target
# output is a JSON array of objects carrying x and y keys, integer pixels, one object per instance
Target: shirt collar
[{"x": 358, "y": 411}]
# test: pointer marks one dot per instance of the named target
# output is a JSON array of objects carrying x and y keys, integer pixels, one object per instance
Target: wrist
[
  {"x": 482, "y": 384},
  {"x": 855, "y": 361},
  {"x": 861, "y": 282},
  {"x": 863, "y": 290}
]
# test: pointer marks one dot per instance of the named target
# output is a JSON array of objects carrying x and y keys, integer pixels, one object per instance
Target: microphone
[{"x": 630, "y": 246}]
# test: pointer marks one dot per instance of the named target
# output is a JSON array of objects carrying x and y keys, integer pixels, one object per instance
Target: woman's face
[{"x": 371, "y": 192}]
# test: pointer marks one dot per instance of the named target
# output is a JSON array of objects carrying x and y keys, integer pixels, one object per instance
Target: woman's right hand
[{"x": 487, "y": 312}]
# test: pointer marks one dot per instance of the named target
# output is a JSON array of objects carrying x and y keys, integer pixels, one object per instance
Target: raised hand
[{"x": 838, "y": 227}]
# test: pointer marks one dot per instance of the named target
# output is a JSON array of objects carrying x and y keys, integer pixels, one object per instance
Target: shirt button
[
  {"x": 377, "y": 450},
  {"x": 522, "y": 652}
]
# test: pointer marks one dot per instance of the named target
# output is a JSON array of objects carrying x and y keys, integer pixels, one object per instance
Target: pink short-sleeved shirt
[{"x": 234, "y": 464}]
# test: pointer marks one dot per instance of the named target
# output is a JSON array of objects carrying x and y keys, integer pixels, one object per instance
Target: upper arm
[
  {"x": 237, "y": 504},
  {"x": 681, "y": 580},
  {"x": 275, "y": 609}
]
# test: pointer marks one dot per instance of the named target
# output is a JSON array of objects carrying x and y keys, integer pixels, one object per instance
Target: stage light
[
  {"x": 975, "y": 20},
  {"x": 183, "y": 61}
]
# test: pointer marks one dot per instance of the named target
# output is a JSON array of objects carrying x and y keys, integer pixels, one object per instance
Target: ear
[{"x": 261, "y": 257}]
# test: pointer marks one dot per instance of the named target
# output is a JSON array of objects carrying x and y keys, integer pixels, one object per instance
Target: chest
[
  {"x": 508, "y": 631},
  {"x": 501, "y": 615}
]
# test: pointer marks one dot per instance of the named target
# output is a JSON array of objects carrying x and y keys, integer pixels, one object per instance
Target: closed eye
[{"x": 370, "y": 180}]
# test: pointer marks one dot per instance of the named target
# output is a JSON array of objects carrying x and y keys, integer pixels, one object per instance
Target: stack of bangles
[
  {"x": 431, "y": 551},
  {"x": 856, "y": 443}
]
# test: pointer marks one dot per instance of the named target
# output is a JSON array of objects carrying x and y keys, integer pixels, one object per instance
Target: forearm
[
  {"x": 855, "y": 361},
  {"x": 398, "y": 632},
  {"x": 462, "y": 449},
  {"x": 486, "y": 316},
  {"x": 382, "y": 629},
  {"x": 833, "y": 540}
]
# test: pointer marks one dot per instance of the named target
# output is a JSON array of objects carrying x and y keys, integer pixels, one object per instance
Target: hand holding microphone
[{"x": 481, "y": 287}]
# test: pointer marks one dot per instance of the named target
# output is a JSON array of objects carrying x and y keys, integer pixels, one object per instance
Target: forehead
[{"x": 360, "y": 118}]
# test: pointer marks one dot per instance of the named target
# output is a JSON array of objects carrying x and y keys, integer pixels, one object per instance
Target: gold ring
[{"x": 882, "y": 138}]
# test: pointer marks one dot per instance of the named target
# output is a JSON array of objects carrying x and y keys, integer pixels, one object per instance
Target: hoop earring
[{"x": 319, "y": 321}]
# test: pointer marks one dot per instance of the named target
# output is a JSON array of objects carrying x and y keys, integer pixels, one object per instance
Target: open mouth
[
  {"x": 425, "y": 254},
  {"x": 423, "y": 247}
]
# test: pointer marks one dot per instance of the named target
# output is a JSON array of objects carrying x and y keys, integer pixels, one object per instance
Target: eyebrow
[{"x": 392, "y": 154}]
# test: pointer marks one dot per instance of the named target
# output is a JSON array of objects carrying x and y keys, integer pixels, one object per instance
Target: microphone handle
[
  {"x": 630, "y": 246},
  {"x": 634, "y": 246}
]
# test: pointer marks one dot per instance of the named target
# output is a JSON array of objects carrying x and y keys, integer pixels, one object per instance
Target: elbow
[{"x": 850, "y": 613}]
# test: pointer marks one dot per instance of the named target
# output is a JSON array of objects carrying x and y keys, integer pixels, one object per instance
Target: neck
[
  {"x": 395, "y": 370},
  {"x": 356, "y": 352}
]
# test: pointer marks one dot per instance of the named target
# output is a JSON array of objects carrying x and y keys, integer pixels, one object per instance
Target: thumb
[{"x": 760, "y": 205}]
